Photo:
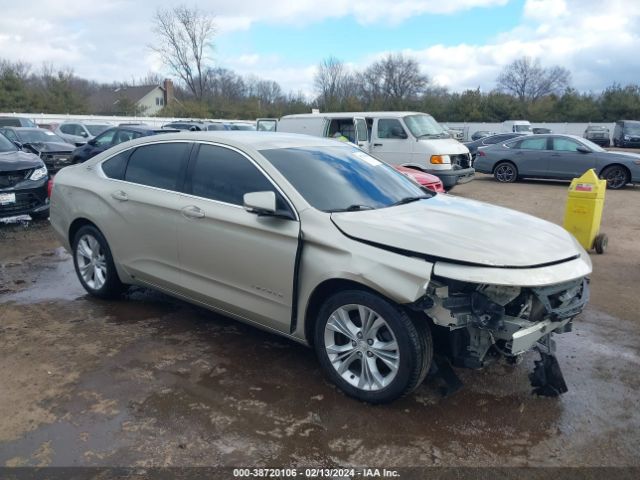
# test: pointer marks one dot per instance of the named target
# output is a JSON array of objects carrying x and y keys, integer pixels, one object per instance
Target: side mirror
[
  {"x": 260, "y": 203},
  {"x": 84, "y": 134},
  {"x": 18, "y": 144},
  {"x": 583, "y": 149},
  {"x": 92, "y": 142}
]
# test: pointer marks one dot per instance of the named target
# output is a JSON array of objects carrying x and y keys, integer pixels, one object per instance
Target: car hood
[
  {"x": 11, "y": 161},
  {"x": 457, "y": 230},
  {"x": 51, "y": 146},
  {"x": 446, "y": 146}
]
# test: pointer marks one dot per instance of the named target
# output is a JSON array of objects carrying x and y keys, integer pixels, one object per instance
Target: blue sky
[
  {"x": 459, "y": 44},
  {"x": 351, "y": 41}
]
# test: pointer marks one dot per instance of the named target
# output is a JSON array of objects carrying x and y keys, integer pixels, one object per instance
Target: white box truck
[
  {"x": 517, "y": 126},
  {"x": 411, "y": 139}
]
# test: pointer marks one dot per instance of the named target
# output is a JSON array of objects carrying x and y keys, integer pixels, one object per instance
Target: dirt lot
[{"x": 153, "y": 381}]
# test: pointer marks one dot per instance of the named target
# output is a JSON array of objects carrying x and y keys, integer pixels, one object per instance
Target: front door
[
  {"x": 389, "y": 141},
  {"x": 566, "y": 161},
  {"x": 234, "y": 260}
]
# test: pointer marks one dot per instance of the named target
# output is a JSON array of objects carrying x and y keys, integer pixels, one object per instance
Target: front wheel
[
  {"x": 94, "y": 264},
  {"x": 616, "y": 176},
  {"x": 505, "y": 172},
  {"x": 370, "y": 348}
]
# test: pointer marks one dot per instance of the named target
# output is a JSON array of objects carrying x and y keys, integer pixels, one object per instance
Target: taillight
[
  {"x": 481, "y": 153},
  {"x": 50, "y": 187}
]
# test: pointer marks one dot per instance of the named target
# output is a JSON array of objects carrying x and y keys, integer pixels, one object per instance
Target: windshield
[
  {"x": 342, "y": 178},
  {"x": 6, "y": 145},
  {"x": 599, "y": 129},
  {"x": 522, "y": 128},
  {"x": 592, "y": 146},
  {"x": 632, "y": 128},
  {"x": 96, "y": 129},
  {"x": 36, "y": 136},
  {"x": 424, "y": 126}
]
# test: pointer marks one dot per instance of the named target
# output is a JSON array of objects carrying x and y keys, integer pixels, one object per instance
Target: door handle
[
  {"x": 192, "y": 212},
  {"x": 377, "y": 144},
  {"x": 120, "y": 195}
]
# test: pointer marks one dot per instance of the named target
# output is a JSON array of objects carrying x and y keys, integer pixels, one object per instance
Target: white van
[
  {"x": 517, "y": 126},
  {"x": 411, "y": 139}
]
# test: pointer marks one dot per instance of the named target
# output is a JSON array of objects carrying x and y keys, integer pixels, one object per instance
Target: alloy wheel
[
  {"x": 616, "y": 177},
  {"x": 505, "y": 173},
  {"x": 362, "y": 347},
  {"x": 91, "y": 260}
]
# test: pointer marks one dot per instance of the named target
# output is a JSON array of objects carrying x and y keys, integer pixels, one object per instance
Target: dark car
[
  {"x": 480, "y": 134},
  {"x": 114, "y": 136},
  {"x": 626, "y": 133},
  {"x": 490, "y": 140},
  {"x": 598, "y": 134},
  {"x": 23, "y": 182},
  {"x": 16, "y": 122},
  {"x": 53, "y": 150},
  {"x": 199, "y": 126},
  {"x": 556, "y": 156},
  {"x": 540, "y": 130}
]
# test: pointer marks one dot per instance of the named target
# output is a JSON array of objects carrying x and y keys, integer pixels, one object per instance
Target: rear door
[
  {"x": 531, "y": 155},
  {"x": 146, "y": 204},
  {"x": 566, "y": 161},
  {"x": 234, "y": 260},
  {"x": 389, "y": 141}
]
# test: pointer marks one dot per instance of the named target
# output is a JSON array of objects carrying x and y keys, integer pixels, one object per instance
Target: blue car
[
  {"x": 556, "y": 156},
  {"x": 112, "y": 137}
]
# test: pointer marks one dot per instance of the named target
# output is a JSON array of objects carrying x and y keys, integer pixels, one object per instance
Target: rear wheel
[
  {"x": 616, "y": 176},
  {"x": 505, "y": 172},
  {"x": 94, "y": 264},
  {"x": 370, "y": 348}
]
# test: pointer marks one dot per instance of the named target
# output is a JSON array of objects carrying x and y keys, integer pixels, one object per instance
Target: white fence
[
  {"x": 50, "y": 118},
  {"x": 566, "y": 128}
]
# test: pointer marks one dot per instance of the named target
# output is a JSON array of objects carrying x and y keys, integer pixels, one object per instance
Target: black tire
[
  {"x": 505, "y": 172},
  {"x": 413, "y": 341},
  {"x": 111, "y": 287},
  {"x": 600, "y": 243},
  {"x": 616, "y": 176}
]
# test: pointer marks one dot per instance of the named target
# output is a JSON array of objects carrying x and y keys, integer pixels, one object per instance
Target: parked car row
[{"x": 210, "y": 125}]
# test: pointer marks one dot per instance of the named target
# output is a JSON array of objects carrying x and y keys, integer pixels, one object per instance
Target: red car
[{"x": 423, "y": 178}]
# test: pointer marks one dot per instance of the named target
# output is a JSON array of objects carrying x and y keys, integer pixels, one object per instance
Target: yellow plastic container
[{"x": 584, "y": 210}]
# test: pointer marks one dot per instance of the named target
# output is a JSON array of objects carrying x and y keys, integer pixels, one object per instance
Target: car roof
[
  {"x": 354, "y": 114},
  {"x": 27, "y": 129},
  {"x": 246, "y": 139}
]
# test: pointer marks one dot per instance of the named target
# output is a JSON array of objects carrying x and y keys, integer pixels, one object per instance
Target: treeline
[{"x": 393, "y": 83}]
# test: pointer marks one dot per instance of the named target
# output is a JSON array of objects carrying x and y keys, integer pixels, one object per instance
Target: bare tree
[
  {"x": 392, "y": 81},
  {"x": 331, "y": 82},
  {"x": 528, "y": 80},
  {"x": 184, "y": 34}
]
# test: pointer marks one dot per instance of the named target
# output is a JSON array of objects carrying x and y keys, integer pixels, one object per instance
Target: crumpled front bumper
[{"x": 521, "y": 336}]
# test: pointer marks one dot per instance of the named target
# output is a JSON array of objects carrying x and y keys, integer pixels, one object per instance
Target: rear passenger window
[
  {"x": 158, "y": 165},
  {"x": 224, "y": 175},
  {"x": 115, "y": 166},
  {"x": 533, "y": 144}
]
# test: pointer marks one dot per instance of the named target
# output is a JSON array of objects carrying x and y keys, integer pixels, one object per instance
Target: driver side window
[
  {"x": 391, "y": 128},
  {"x": 565, "y": 145},
  {"x": 106, "y": 138}
]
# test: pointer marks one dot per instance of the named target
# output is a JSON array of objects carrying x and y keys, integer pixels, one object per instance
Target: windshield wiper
[
  {"x": 353, "y": 208},
  {"x": 405, "y": 200}
]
